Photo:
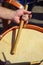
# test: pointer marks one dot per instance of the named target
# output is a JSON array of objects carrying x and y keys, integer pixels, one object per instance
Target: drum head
[{"x": 29, "y": 48}]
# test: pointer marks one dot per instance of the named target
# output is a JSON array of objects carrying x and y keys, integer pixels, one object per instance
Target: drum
[{"x": 29, "y": 48}]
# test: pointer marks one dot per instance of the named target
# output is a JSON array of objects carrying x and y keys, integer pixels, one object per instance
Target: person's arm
[
  {"x": 6, "y": 13},
  {"x": 15, "y": 15}
]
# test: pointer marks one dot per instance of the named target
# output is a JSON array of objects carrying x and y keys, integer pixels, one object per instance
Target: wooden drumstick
[{"x": 19, "y": 33}]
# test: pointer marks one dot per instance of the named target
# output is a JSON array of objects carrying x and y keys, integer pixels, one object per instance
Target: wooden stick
[{"x": 18, "y": 34}]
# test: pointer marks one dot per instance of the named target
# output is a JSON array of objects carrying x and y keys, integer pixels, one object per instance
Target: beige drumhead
[{"x": 29, "y": 48}]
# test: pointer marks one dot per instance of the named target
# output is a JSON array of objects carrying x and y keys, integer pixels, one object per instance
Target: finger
[
  {"x": 26, "y": 22},
  {"x": 27, "y": 12},
  {"x": 17, "y": 20},
  {"x": 31, "y": 16},
  {"x": 25, "y": 17}
]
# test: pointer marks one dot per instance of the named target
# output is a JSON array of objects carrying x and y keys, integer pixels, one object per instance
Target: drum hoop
[{"x": 28, "y": 26}]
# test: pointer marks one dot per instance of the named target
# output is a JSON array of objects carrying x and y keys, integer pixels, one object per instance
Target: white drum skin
[{"x": 29, "y": 48}]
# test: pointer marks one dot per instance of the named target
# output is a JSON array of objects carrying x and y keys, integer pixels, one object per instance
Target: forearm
[
  {"x": 14, "y": 15},
  {"x": 6, "y": 13}
]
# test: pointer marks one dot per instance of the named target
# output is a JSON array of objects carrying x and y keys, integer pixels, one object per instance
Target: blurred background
[{"x": 36, "y": 6}]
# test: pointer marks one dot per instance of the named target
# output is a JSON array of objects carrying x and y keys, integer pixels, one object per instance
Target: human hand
[{"x": 26, "y": 15}]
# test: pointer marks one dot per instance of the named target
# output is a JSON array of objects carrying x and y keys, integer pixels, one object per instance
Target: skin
[{"x": 15, "y": 15}]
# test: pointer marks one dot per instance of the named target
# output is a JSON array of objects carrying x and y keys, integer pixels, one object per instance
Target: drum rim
[{"x": 28, "y": 26}]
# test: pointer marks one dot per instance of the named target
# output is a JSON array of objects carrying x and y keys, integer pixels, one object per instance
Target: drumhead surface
[{"x": 29, "y": 47}]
